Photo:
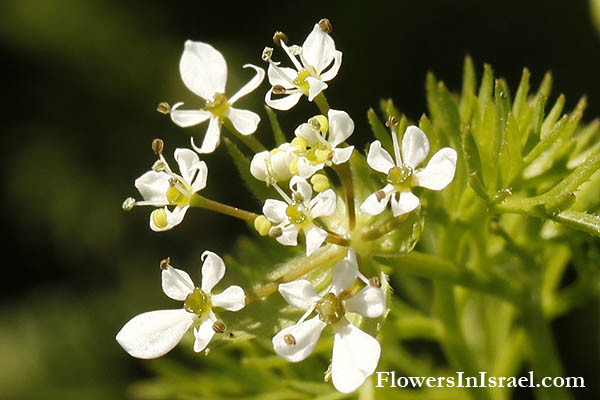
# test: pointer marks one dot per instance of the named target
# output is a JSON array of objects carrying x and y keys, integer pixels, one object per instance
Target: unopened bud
[
  {"x": 391, "y": 121},
  {"x": 128, "y": 204},
  {"x": 375, "y": 282},
  {"x": 219, "y": 327},
  {"x": 325, "y": 25},
  {"x": 163, "y": 108},
  {"x": 164, "y": 264},
  {"x": 289, "y": 339},
  {"x": 267, "y": 53},
  {"x": 157, "y": 146},
  {"x": 320, "y": 183},
  {"x": 278, "y": 89},
  {"x": 262, "y": 225},
  {"x": 300, "y": 143},
  {"x": 278, "y": 37},
  {"x": 294, "y": 165}
]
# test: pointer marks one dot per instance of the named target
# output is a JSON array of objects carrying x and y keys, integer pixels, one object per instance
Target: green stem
[
  {"x": 203, "y": 202},
  {"x": 321, "y": 102},
  {"x": 249, "y": 140},
  {"x": 345, "y": 175},
  {"x": 383, "y": 228}
]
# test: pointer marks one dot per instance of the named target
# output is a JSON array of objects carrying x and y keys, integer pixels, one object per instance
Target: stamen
[
  {"x": 164, "y": 264},
  {"x": 283, "y": 194},
  {"x": 380, "y": 195},
  {"x": 291, "y": 53},
  {"x": 163, "y": 108},
  {"x": 276, "y": 232},
  {"x": 279, "y": 37},
  {"x": 325, "y": 25},
  {"x": 157, "y": 146},
  {"x": 128, "y": 204},
  {"x": 278, "y": 89},
  {"x": 219, "y": 327},
  {"x": 392, "y": 123},
  {"x": 289, "y": 339},
  {"x": 375, "y": 282}
]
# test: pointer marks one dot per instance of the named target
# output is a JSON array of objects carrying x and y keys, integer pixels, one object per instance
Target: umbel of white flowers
[
  {"x": 355, "y": 353},
  {"x": 153, "y": 334}
]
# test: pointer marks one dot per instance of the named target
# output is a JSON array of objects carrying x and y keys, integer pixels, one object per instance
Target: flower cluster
[{"x": 312, "y": 205}]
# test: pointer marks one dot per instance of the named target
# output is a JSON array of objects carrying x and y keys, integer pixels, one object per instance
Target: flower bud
[
  {"x": 320, "y": 182},
  {"x": 262, "y": 225}
]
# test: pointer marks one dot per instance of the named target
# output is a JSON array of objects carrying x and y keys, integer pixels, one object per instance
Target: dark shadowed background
[{"x": 80, "y": 86}]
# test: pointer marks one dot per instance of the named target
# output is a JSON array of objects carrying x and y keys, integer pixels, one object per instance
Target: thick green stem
[
  {"x": 203, "y": 202},
  {"x": 249, "y": 140},
  {"x": 321, "y": 102}
]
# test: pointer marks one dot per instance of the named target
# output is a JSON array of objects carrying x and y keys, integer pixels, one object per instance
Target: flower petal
[
  {"x": 174, "y": 218},
  {"x": 355, "y": 357},
  {"x": 176, "y": 283},
  {"x": 379, "y": 159},
  {"x": 341, "y": 127},
  {"x": 276, "y": 78},
  {"x": 342, "y": 155},
  {"x": 404, "y": 202},
  {"x": 305, "y": 334},
  {"x": 244, "y": 121},
  {"x": 187, "y": 118},
  {"x": 335, "y": 67},
  {"x": 344, "y": 273},
  {"x": 200, "y": 182},
  {"x": 155, "y": 333},
  {"x": 373, "y": 205},
  {"x": 299, "y": 294},
  {"x": 324, "y": 204},
  {"x": 299, "y": 185},
  {"x": 306, "y": 169},
  {"x": 369, "y": 302},
  {"x": 318, "y": 49},
  {"x": 415, "y": 146},
  {"x": 307, "y": 132},
  {"x": 232, "y": 299},
  {"x": 315, "y": 86},
  {"x": 211, "y": 139},
  {"x": 314, "y": 239},
  {"x": 274, "y": 210},
  {"x": 439, "y": 171},
  {"x": 283, "y": 103},
  {"x": 203, "y": 334},
  {"x": 213, "y": 269},
  {"x": 258, "y": 166},
  {"x": 203, "y": 69},
  {"x": 188, "y": 162},
  {"x": 251, "y": 85},
  {"x": 289, "y": 235},
  {"x": 153, "y": 187}
]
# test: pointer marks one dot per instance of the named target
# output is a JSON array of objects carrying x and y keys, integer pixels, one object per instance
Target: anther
[
  {"x": 380, "y": 195},
  {"x": 219, "y": 327},
  {"x": 267, "y": 53},
  {"x": 375, "y": 282},
  {"x": 164, "y": 264},
  {"x": 391, "y": 121},
  {"x": 163, "y": 108},
  {"x": 289, "y": 339},
  {"x": 276, "y": 232},
  {"x": 278, "y": 37},
  {"x": 295, "y": 50},
  {"x": 128, "y": 204},
  {"x": 325, "y": 25},
  {"x": 157, "y": 146},
  {"x": 278, "y": 89}
]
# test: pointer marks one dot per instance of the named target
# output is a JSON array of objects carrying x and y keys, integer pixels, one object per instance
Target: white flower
[
  {"x": 355, "y": 353},
  {"x": 155, "y": 333},
  {"x": 161, "y": 187},
  {"x": 274, "y": 166},
  {"x": 298, "y": 212},
  {"x": 204, "y": 71},
  {"x": 323, "y": 146},
  {"x": 315, "y": 63},
  {"x": 403, "y": 175}
]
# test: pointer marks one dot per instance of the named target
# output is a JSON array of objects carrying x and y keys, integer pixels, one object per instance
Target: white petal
[
  {"x": 274, "y": 210},
  {"x": 211, "y": 139},
  {"x": 232, "y": 299},
  {"x": 155, "y": 333},
  {"x": 373, "y": 206},
  {"x": 307, "y": 132},
  {"x": 439, "y": 171},
  {"x": 282, "y": 103},
  {"x": 300, "y": 185},
  {"x": 379, "y": 159},
  {"x": 404, "y": 202},
  {"x": 318, "y": 49},
  {"x": 153, "y": 187},
  {"x": 341, "y": 127},
  {"x": 187, "y": 118},
  {"x": 203, "y": 334},
  {"x": 415, "y": 146},
  {"x": 342, "y": 155},
  {"x": 244, "y": 121},
  {"x": 251, "y": 85},
  {"x": 314, "y": 239},
  {"x": 369, "y": 302},
  {"x": 213, "y": 269},
  {"x": 200, "y": 182},
  {"x": 315, "y": 86},
  {"x": 203, "y": 69},
  {"x": 289, "y": 237},
  {"x": 306, "y": 169},
  {"x": 299, "y": 293},
  {"x": 335, "y": 67},
  {"x": 280, "y": 162},
  {"x": 275, "y": 77},
  {"x": 188, "y": 162},
  {"x": 323, "y": 204},
  {"x": 176, "y": 283},
  {"x": 306, "y": 335},
  {"x": 258, "y": 166},
  {"x": 355, "y": 357},
  {"x": 344, "y": 273}
]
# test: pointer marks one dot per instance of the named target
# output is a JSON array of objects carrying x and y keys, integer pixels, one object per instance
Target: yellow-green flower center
[
  {"x": 297, "y": 215},
  {"x": 179, "y": 193},
  {"x": 400, "y": 177},
  {"x": 330, "y": 309},
  {"x": 300, "y": 80},
  {"x": 197, "y": 302},
  {"x": 219, "y": 106}
]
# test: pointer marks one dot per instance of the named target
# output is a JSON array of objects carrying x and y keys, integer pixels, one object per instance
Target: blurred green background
[{"x": 82, "y": 80}]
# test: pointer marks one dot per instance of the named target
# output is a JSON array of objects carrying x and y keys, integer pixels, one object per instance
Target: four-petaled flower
[
  {"x": 316, "y": 62},
  {"x": 403, "y": 175},
  {"x": 274, "y": 166},
  {"x": 298, "y": 212},
  {"x": 204, "y": 71},
  {"x": 355, "y": 353},
  {"x": 161, "y": 187},
  {"x": 155, "y": 333}
]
